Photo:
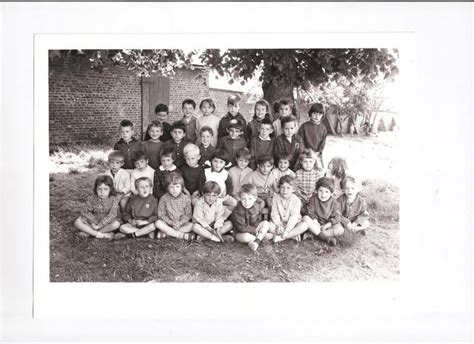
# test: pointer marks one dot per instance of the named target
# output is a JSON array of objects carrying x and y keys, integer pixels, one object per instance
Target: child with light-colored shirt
[
  {"x": 208, "y": 119},
  {"x": 120, "y": 177},
  {"x": 264, "y": 179},
  {"x": 141, "y": 170},
  {"x": 355, "y": 216},
  {"x": 283, "y": 166},
  {"x": 239, "y": 173}
]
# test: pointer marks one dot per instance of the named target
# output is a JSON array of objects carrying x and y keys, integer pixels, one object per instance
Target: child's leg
[
  {"x": 168, "y": 230},
  {"x": 111, "y": 227},
  {"x": 85, "y": 228},
  {"x": 145, "y": 230},
  {"x": 245, "y": 238},
  {"x": 313, "y": 225},
  {"x": 262, "y": 230},
  {"x": 127, "y": 228},
  {"x": 200, "y": 230},
  {"x": 123, "y": 202},
  {"x": 186, "y": 228},
  {"x": 334, "y": 230},
  {"x": 300, "y": 228},
  {"x": 227, "y": 226}
]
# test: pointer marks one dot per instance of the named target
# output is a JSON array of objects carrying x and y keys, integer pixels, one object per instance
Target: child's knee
[
  {"x": 244, "y": 237},
  {"x": 338, "y": 229},
  {"x": 115, "y": 225},
  {"x": 127, "y": 228}
]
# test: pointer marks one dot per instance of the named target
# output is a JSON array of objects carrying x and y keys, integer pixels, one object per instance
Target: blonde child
[
  {"x": 174, "y": 210},
  {"x": 188, "y": 106},
  {"x": 127, "y": 144},
  {"x": 208, "y": 119},
  {"x": 141, "y": 170},
  {"x": 313, "y": 132},
  {"x": 209, "y": 215},
  {"x": 99, "y": 215},
  {"x": 120, "y": 177},
  {"x": 167, "y": 157},
  {"x": 286, "y": 211},
  {"x": 261, "y": 111},
  {"x": 308, "y": 175},
  {"x": 263, "y": 143},
  {"x": 337, "y": 170},
  {"x": 239, "y": 173},
  {"x": 324, "y": 213},
  {"x": 152, "y": 145},
  {"x": 264, "y": 179},
  {"x": 192, "y": 171},
  {"x": 355, "y": 216},
  {"x": 206, "y": 149}
]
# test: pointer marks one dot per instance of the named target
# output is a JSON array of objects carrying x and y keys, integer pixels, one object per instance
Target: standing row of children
[{"x": 216, "y": 179}]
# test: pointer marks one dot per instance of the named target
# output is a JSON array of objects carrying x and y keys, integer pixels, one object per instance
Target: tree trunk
[{"x": 272, "y": 93}]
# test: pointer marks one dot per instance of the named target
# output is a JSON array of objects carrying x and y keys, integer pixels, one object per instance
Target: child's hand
[{"x": 280, "y": 230}]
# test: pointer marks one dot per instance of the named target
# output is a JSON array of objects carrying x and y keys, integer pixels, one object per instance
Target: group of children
[{"x": 225, "y": 180}]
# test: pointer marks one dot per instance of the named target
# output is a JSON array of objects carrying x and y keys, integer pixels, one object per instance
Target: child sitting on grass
[
  {"x": 178, "y": 141},
  {"x": 208, "y": 119},
  {"x": 324, "y": 213},
  {"x": 162, "y": 113},
  {"x": 261, "y": 111},
  {"x": 233, "y": 142},
  {"x": 289, "y": 142},
  {"x": 313, "y": 132},
  {"x": 152, "y": 145},
  {"x": 120, "y": 177},
  {"x": 264, "y": 179},
  {"x": 337, "y": 170},
  {"x": 127, "y": 144},
  {"x": 239, "y": 173},
  {"x": 308, "y": 175},
  {"x": 99, "y": 215},
  {"x": 247, "y": 221},
  {"x": 209, "y": 215},
  {"x": 283, "y": 164},
  {"x": 355, "y": 217},
  {"x": 141, "y": 169},
  {"x": 192, "y": 171},
  {"x": 206, "y": 149},
  {"x": 140, "y": 213},
  {"x": 188, "y": 106},
  {"x": 167, "y": 157},
  {"x": 174, "y": 210},
  {"x": 263, "y": 143}
]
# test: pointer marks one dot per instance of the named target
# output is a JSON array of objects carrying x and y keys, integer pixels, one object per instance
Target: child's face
[
  {"x": 188, "y": 110},
  {"x": 289, "y": 129},
  {"x": 177, "y": 135},
  {"x": 166, "y": 161},
  {"x": 103, "y": 191},
  {"x": 115, "y": 165},
  {"x": 207, "y": 109},
  {"x": 351, "y": 190},
  {"x": 265, "y": 168},
  {"x": 286, "y": 190},
  {"x": 192, "y": 159},
  {"x": 248, "y": 200},
  {"x": 316, "y": 117},
  {"x": 260, "y": 111},
  {"x": 285, "y": 110},
  {"x": 162, "y": 116},
  {"x": 155, "y": 133},
  {"x": 126, "y": 133},
  {"x": 233, "y": 109},
  {"x": 210, "y": 198},
  {"x": 234, "y": 133},
  {"x": 242, "y": 163},
  {"x": 283, "y": 164},
  {"x": 206, "y": 138},
  {"x": 265, "y": 130},
  {"x": 324, "y": 194},
  {"x": 144, "y": 189},
  {"x": 175, "y": 189},
  {"x": 308, "y": 164},
  {"x": 141, "y": 164},
  {"x": 217, "y": 164}
]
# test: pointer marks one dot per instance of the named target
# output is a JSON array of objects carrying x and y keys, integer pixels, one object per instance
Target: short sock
[{"x": 131, "y": 235}]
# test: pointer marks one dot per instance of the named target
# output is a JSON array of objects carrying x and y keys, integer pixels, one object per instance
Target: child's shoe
[
  {"x": 189, "y": 236},
  {"x": 277, "y": 238},
  {"x": 307, "y": 235},
  {"x": 297, "y": 238},
  {"x": 119, "y": 236},
  {"x": 200, "y": 238},
  {"x": 253, "y": 245},
  {"x": 160, "y": 235},
  {"x": 82, "y": 235},
  {"x": 228, "y": 238},
  {"x": 152, "y": 235}
]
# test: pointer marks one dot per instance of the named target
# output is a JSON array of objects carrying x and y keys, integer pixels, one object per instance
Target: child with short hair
[
  {"x": 167, "y": 157},
  {"x": 99, "y": 215},
  {"x": 240, "y": 172},
  {"x": 263, "y": 143},
  {"x": 264, "y": 179},
  {"x": 261, "y": 111},
  {"x": 324, "y": 213},
  {"x": 127, "y": 143},
  {"x": 313, "y": 132},
  {"x": 174, "y": 210},
  {"x": 307, "y": 175},
  {"x": 286, "y": 109},
  {"x": 206, "y": 149},
  {"x": 337, "y": 170},
  {"x": 178, "y": 141},
  {"x": 289, "y": 142},
  {"x": 192, "y": 171},
  {"x": 120, "y": 177},
  {"x": 141, "y": 169},
  {"x": 286, "y": 211},
  {"x": 283, "y": 166},
  {"x": 247, "y": 221},
  {"x": 355, "y": 216},
  {"x": 140, "y": 213},
  {"x": 188, "y": 106},
  {"x": 208, "y": 119},
  {"x": 233, "y": 105},
  {"x": 153, "y": 145},
  {"x": 162, "y": 113},
  {"x": 209, "y": 215},
  {"x": 233, "y": 142}
]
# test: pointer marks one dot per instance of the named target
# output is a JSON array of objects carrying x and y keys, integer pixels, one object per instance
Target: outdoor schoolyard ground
[{"x": 356, "y": 257}]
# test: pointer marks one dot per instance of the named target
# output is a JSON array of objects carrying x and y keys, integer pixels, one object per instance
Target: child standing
[
  {"x": 99, "y": 215},
  {"x": 167, "y": 157},
  {"x": 206, "y": 149},
  {"x": 140, "y": 213},
  {"x": 308, "y": 175},
  {"x": 192, "y": 171},
  {"x": 264, "y": 179},
  {"x": 337, "y": 170},
  {"x": 152, "y": 145},
  {"x": 141, "y": 170},
  {"x": 246, "y": 218},
  {"x": 178, "y": 141},
  {"x": 283, "y": 164},
  {"x": 188, "y": 119},
  {"x": 162, "y": 113},
  {"x": 233, "y": 105},
  {"x": 209, "y": 215},
  {"x": 289, "y": 143},
  {"x": 263, "y": 143},
  {"x": 120, "y": 177},
  {"x": 174, "y": 210},
  {"x": 286, "y": 212},
  {"x": 355, "y": 216},
  {"x": 286, "y": 109},
  {"x": 313, "y": 132},
  {"x": 261, "y": 111},
  {"x": 239, "y": 173},
  {"x": 233, "y": 142},
  {"x": 208, "y": 119},
  {"x": 324, "y": 213},
  {"x": 127, "y": 143}
]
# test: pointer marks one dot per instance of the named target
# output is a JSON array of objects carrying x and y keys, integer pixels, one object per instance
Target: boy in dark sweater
[
  {"x": 192, "y": 171},
  {"x": 233, "y": 142},
  {"x": 313, "y": 132},
  {"x": 262, "y": 144},
  {"x": 206, "y": 149},
  {"x": 355, "y": 216},
  {"x": 127, "y": 144},
  {"x": 289, "y": 143},
  {"x": 178, "y": 141},
  {"x": 162, "y": 113},
  {"x": 233, "y": 105},
  {"x": 167, "y": 157}
]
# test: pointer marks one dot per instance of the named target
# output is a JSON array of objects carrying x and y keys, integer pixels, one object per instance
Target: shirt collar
[
  {"x": 172, "y": 168},
  {"x": 267, "y": 139}
]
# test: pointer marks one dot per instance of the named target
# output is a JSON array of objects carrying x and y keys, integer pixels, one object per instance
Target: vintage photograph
[{"x": 224, "y": 165}]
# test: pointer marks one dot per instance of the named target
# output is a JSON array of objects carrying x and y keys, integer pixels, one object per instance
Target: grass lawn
[{"x": 356, "y": 257}]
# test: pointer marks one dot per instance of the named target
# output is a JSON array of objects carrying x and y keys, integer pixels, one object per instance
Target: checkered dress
[{"x": 306, "y": 182}]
